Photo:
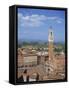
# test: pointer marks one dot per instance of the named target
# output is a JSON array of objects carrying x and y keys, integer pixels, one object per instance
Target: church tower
[{"x": 51, "y": 40}]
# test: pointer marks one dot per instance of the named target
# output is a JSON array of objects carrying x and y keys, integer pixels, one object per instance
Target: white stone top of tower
[{"x": 51, "y": 36}]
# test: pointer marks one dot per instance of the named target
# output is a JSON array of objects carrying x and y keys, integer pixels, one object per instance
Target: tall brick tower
[
  {"x": 52, "y": 61},
  {"x": 51, "y": 40}
]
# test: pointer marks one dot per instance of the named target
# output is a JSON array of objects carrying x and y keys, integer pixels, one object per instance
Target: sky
[{"x": 34, "y": 24}]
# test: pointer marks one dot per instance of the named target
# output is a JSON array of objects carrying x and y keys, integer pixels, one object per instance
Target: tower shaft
[
  {"x": 51, "y": 51},
  {"x": 51, "y": 40}
]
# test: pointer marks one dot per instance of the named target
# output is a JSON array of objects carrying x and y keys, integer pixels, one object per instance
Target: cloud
[
  {"x": 59, "y": 20},
  {"x": 35, "y": 20}
]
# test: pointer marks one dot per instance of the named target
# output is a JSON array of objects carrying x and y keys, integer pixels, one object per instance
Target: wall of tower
[{"x": 51, "y": 53}]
